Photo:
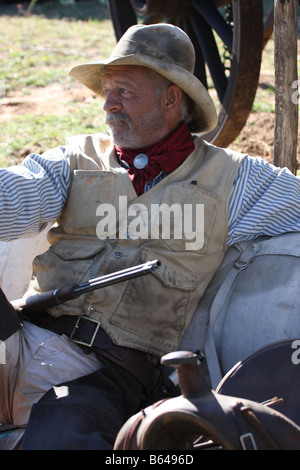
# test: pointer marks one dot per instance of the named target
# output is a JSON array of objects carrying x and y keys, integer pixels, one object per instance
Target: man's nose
[{"x": 112, "y": 103}]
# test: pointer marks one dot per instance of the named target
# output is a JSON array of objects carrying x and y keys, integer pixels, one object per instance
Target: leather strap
[
  {"x": 244, "y": 416},
  {"x": 81, "y": 330},
  {"x": 10, "y": 322}
]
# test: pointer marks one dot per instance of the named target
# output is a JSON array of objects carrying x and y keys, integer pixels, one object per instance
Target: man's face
[{"x": 133, "y": 109}]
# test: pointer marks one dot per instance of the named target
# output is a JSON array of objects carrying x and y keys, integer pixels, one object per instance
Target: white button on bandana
[{"x": 140, "y": 161}]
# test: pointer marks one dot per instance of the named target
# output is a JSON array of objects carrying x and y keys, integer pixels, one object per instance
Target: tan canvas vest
[{"x": 149, "y": 313}]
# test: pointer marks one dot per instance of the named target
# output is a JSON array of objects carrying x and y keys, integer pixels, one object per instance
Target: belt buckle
[
  {"x": 248, "y": 441},
  {"x": 79, "y": 341}
]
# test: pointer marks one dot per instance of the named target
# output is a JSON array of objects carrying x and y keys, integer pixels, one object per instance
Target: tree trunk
[{"x": 286, "y": 83}]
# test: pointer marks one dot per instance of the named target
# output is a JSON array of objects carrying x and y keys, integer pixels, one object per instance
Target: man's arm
[
  {"x": 33, "y": 193},
  {"x": 265, "y": 200}
]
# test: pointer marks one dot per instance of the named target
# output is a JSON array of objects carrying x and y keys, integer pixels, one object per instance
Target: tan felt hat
[{"x": 167, "y": 50}]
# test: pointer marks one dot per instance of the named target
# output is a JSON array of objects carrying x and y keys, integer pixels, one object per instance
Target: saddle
[
  {"x": 255, "y": 406},
  {"x": 201, "y": 418}
]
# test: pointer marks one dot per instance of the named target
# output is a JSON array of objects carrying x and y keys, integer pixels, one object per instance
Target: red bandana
[{"x": 165, "y": 156}]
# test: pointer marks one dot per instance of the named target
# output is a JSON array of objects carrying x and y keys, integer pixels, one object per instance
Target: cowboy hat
[{"x": 167, "y": 50}]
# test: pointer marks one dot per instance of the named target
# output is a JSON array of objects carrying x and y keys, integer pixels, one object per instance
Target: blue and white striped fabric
[
  {"x": 33, "y": 193},
  {"x": 265, "y": 200}
]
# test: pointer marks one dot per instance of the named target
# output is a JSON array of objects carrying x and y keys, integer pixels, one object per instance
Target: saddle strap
[{"x": 244, "y": 414}]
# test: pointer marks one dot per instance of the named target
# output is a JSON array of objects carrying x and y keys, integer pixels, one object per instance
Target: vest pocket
[
  {"x": 69, "y": 250},
  {"x": 186, "y": 217},
  {"x": 68, "y": 262},
  {"x": 90, "y": 190},
  {"x": 153, "y": 307}
]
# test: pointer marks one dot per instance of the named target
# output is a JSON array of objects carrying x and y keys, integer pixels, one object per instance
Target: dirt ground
[
  {"x": 256, "y": 138},
  {"x": 43, "y": 101}
]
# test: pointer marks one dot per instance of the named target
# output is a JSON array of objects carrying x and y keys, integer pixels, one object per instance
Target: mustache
[{"x": 117, "y": 117}]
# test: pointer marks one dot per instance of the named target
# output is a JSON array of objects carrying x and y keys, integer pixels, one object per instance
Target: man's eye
[{"x": 124, "y": 91}]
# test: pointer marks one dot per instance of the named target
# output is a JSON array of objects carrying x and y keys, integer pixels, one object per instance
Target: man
[{"x": 111, "y": 197}]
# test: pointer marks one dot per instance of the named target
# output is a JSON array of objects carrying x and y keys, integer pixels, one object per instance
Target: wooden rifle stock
[{"x": 45, "y": 300}]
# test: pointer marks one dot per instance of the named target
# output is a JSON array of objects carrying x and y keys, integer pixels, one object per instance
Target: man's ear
[{"x": 172, "y": 99}]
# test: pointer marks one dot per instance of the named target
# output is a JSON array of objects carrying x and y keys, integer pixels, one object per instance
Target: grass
[
  {"x": 34, "y": 133},
  {"x": 37, "y": 51}
]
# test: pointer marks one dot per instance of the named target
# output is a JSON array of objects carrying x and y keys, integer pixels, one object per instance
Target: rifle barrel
[
  {"x": 115, "y": 277},
  {"x": 49, "y": 299}
]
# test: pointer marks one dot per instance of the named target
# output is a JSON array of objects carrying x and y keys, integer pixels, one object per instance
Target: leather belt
[{"x": 86, "y": 332}]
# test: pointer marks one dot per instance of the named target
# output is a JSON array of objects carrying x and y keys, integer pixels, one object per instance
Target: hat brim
[{"x": 204, "y": 111}]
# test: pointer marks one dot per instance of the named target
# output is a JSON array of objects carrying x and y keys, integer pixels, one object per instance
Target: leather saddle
[{"x": 255, "y": 406}]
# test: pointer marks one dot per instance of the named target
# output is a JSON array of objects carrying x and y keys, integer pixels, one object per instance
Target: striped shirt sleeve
[
  {"x": 33, "y": 193},
  {"x": 265, "y": 200}
]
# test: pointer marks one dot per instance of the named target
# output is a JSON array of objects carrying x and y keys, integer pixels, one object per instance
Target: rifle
[{"x": 45, "y": 300}]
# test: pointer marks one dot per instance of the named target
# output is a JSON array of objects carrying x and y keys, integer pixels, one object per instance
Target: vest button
[
  {"x": 91, "y": 308},
  {"x": 117, "y": 254}
]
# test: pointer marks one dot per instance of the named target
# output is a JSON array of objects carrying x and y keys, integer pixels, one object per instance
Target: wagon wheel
[{"x": 227, "y": 37}]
